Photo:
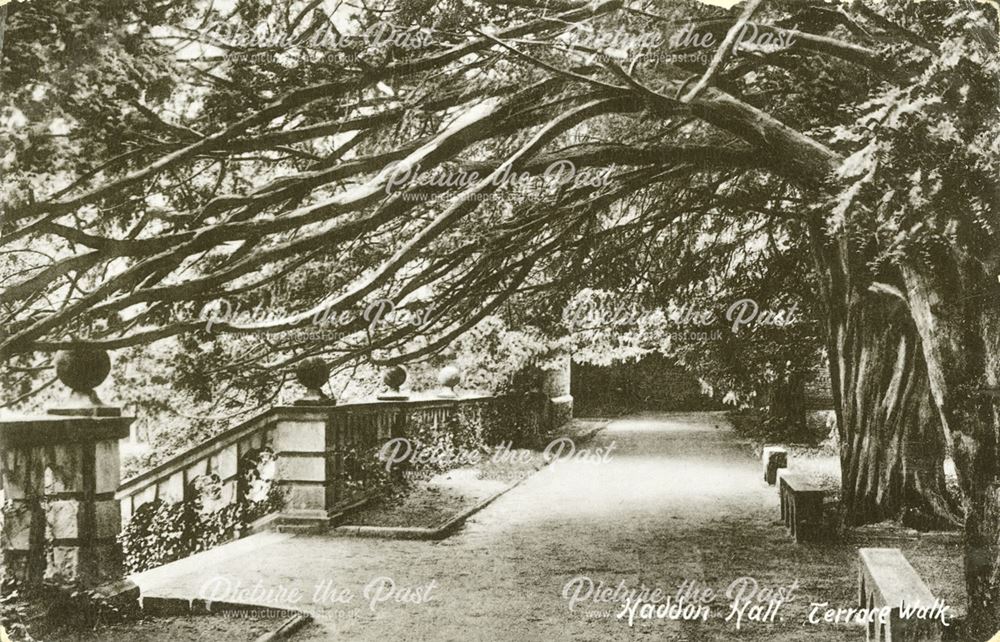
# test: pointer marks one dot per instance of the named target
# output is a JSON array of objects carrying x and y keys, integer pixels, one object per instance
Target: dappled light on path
[{"x": 677, "y": 497}]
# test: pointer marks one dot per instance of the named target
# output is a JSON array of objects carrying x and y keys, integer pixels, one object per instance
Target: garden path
[{"x": 680, "y": 498}]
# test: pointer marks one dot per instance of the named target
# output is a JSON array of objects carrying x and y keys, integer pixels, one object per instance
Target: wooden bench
[
  {"x": 886, "y": 579},
  {"x": 801, "y": 505},
  {"x": 774, "y": 457}
]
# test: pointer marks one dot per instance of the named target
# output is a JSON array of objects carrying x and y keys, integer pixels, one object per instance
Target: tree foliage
[{"x": 161, "y": 157}]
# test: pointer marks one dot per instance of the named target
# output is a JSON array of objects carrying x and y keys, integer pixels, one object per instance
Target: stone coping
[{"x": 53, "y": 429}]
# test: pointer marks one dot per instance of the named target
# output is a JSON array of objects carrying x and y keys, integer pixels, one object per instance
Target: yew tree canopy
[{"x": 310, "y": 157}]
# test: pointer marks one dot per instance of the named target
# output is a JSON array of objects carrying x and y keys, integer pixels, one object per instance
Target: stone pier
[
  {"x": 303, "y": 442},
  {"x": 556, "y": 384},
  {"x": 59, "y": 472}
]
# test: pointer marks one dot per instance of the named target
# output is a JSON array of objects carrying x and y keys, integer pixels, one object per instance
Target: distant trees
[{"x": 149, "y": 169}]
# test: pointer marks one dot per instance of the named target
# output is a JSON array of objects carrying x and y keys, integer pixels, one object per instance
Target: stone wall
[{"x": 300, "y": 464}]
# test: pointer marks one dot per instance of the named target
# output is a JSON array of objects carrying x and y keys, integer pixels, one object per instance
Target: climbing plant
[{"x": 161, "y": 531}]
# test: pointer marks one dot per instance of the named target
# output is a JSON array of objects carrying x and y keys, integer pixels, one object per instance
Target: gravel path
[{"x": 678, "y": 499}]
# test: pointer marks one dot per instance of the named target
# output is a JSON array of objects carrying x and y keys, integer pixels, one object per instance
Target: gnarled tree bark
[
  {"x": 953, "y": 302},
  {"x": 893, "y": 448},
  {"x": 892, "y": 445}
]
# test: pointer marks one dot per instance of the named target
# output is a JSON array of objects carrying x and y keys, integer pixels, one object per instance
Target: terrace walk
[{"x": 680, "y": 499}]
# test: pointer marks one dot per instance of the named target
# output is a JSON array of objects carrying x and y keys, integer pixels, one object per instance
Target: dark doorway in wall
[{"x": 652, "y": 383}]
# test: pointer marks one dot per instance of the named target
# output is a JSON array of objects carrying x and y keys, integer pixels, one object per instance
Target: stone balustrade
[
  {"x": 66, "y": 502},
  {"x": 309, "y": 446}
]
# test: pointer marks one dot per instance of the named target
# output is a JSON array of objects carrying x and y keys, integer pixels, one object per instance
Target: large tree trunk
[
  {"x": 892, "y": 445},
  {"x": 954, "y": 306},
  {"x": 959, "y": 359}
]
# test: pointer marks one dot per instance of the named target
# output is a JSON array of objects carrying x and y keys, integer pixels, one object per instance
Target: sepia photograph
[{"x": 500, "y": 320}]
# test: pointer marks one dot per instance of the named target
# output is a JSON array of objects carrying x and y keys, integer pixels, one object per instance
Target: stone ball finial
[
  {"x": 313, "y": 373},
  {"x": 82, "y": 370},
  {"x": 394, "y": 377},
  {"x": 450, "y": 377}
]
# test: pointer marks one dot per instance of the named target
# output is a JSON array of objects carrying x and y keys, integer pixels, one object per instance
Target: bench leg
[
  {"x": 781, "y": 502},
  {"x": 808, "y": 517},
  {"x": 875, "y": 629},
  {"x": 861, "y": 586}
]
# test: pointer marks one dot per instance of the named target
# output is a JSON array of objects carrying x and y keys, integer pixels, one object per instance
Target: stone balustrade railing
[
  {"x": 60, "y": 472},
  {"x": 303, "y": 450}
]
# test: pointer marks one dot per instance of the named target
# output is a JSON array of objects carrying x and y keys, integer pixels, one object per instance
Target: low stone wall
[
  {"x": 211, "y": 469},
  {"x": 303, "y": 463},
  {"x": 310, "y": 452}
]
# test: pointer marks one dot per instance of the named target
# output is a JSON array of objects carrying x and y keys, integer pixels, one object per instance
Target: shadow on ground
[{"x": 680, "y": 499}]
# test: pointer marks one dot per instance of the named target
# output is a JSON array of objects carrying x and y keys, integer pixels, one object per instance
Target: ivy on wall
[{"x": 160, "y": 532}]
